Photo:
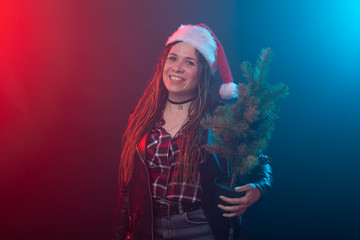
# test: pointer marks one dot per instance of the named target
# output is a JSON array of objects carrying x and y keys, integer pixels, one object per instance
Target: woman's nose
[{"x": 178, "y": 67}]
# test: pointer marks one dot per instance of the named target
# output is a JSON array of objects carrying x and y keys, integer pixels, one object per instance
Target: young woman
[{"x": 166, "y": 176}]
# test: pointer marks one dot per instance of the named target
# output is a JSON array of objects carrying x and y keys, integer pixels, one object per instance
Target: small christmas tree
[{"x": 240, "y": 132}]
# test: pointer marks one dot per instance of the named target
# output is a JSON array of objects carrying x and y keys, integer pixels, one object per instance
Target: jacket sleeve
[
  {"x": 261, "y": 176},
  {"x": 121, "y": 220}
]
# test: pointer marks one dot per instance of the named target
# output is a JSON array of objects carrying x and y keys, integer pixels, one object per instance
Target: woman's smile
[{"x": 176, "y": 79}]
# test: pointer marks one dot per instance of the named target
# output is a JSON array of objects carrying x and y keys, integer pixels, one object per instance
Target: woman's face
[{"x": 180, "y": 73}]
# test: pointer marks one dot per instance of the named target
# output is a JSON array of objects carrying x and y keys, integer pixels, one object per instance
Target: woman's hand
[{"x": 240, "y": 205}]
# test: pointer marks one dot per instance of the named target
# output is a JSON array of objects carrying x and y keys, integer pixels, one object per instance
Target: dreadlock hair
[{"x": 148, "y": 111}]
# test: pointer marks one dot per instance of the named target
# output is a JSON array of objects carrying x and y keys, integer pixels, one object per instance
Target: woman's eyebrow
[
  {"x": 174, "y": 54},
  {"x": 191, "y": 58}
]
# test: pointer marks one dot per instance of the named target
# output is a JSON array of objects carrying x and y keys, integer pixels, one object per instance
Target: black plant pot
[{"x": 222, "y": 187}]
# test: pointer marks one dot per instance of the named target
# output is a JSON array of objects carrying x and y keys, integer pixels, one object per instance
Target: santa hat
[{"x": 204, "y": 40}]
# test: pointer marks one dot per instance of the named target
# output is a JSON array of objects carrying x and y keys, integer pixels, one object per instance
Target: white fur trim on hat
[
  {"x": 228, "y": 90},
  {"x": 200, "y": 38}
]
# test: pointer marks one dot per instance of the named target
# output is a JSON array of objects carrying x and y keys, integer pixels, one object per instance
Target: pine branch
[
  {"x": 247, "y": 70},
  {"x": 244, "y": 129},
  {"x": 261, "y": 67}
]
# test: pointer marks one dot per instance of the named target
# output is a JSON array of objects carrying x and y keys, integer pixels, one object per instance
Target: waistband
[{"x": 167, "y": 209}]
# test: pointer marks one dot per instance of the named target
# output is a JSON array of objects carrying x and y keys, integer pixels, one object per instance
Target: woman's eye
[
  {"x": 172, "y": 58},
  {"x": 190, "y": 63}
]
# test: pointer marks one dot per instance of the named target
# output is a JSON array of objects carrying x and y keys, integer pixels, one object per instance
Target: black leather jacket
[{"x": 134, "y": 212}]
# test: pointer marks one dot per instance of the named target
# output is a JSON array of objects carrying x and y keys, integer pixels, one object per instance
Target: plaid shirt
[{"x": 161, "y": 154}]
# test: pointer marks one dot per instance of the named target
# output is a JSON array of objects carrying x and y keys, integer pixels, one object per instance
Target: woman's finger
[
  {"x": 238, "y": 213},
  {"x": 233, "y": 208},
  {"x": 237, "y": 201}
]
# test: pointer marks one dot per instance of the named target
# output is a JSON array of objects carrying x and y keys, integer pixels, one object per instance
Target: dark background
[{"x": 71, "y": 71}]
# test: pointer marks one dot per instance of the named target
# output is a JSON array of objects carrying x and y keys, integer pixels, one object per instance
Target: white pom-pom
[{"x": 228, "y": 90}]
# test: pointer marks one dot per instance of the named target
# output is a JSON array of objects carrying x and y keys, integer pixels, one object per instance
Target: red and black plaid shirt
[{"x": 161, "y": 154}]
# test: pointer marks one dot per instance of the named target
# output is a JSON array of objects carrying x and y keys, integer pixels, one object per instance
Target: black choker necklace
[
  {"x": 179, "y": 103},
  {"x": 180, "y": 107}
]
